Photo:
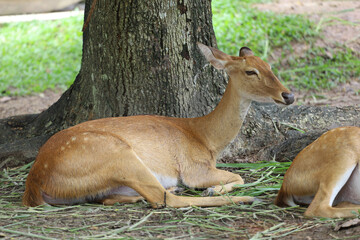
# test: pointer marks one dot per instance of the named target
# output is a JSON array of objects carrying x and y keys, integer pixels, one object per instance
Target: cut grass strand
[{"x": 25, "y": 234}]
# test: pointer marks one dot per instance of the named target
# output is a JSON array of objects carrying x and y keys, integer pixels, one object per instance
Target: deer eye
[{"x": 249, "y": 73}]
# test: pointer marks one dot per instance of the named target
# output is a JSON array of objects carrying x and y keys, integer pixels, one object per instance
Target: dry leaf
[{"x": 351, "y": 223}]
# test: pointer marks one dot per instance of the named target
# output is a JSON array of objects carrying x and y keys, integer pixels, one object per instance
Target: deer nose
[{"x": 288, "y": 98}]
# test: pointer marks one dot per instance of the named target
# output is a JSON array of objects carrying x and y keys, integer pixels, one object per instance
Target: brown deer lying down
[
  {"x": 125, "y": 159},
  {"x": 326, "y": 175}
]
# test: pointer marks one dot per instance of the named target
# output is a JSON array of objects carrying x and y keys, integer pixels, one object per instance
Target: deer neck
[{"x": 222, "y": 125}]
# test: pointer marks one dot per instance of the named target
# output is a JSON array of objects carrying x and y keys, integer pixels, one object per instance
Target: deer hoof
[
  {"x": 176, "y": 190},
  {"x": 209, "y": 192}
]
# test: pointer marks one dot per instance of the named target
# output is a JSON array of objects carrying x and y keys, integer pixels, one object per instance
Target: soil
[
  {"x": 11, "y": 106},
  {"x": 342, "y": 95}
]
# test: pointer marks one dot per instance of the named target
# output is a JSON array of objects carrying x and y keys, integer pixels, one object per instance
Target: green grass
[
  {"x": 39, "y": 55},
  {"x": 260, "y": 220},
  {"x": 320, "y": 68},
  {"x": 237, "y": 24}
]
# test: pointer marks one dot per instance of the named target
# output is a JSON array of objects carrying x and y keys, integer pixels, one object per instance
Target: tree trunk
[{"x": 140, "y": 57}]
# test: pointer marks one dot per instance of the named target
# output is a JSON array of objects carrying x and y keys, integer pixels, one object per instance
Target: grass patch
[
  {"x": 237, "y": 24},
  {"x": 261, "y": 220},
  {"x": 39, "y": 55},
  {"x": 319, "y": 68}
]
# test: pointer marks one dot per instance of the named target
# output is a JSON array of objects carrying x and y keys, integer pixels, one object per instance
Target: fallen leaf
[
  {"x": 5, "y": 99},
  {"x": 350, "y": 223}
]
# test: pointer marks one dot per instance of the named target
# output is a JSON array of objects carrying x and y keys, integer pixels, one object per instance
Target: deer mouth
[
  {"x": 279, "y": 102},
  {"x": 287, "y": 99}
]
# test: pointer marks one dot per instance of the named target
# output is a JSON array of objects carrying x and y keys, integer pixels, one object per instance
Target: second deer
[
  {"x": 326, "y": 176},
  {"x": 126, "y": 159}
]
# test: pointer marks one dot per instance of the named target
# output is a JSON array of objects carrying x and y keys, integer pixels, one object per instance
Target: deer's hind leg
[{"x": 339, "y": 197}]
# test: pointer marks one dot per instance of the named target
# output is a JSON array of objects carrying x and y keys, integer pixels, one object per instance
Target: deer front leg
[
  {"x": 215, "y": 180},
  {"x": 112, "y": 199},
  {"x": 227, "y": 183}
]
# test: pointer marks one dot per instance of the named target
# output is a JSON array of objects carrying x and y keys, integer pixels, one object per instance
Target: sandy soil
[{"x": 11, "y": 106}]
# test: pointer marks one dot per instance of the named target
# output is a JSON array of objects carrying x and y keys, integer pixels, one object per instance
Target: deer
[
  {"x": 325, "y": 176},
  {"x": 144, "y": 157}
]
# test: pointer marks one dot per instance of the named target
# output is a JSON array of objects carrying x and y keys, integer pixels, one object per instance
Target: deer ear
[
  {"x": 245, "y": 51},
  {"x": 216, "y": 57}
]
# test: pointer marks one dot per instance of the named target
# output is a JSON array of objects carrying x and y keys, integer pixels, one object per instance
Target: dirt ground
[
  {"x": 11, "y": 106},
  {"x": 342, "y": 95}
]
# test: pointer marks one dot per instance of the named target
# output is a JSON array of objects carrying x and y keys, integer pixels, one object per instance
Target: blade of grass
[{"x": 25, "y": 234}]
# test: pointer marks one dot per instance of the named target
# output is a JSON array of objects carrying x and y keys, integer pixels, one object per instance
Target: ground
[{"x": 262, "y": 220}]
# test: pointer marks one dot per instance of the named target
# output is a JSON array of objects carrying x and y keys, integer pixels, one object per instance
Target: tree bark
[{"x": 140, "y": 57}]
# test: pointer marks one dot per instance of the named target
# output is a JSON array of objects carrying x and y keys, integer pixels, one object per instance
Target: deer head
[{"x": 251, "y": 76}]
